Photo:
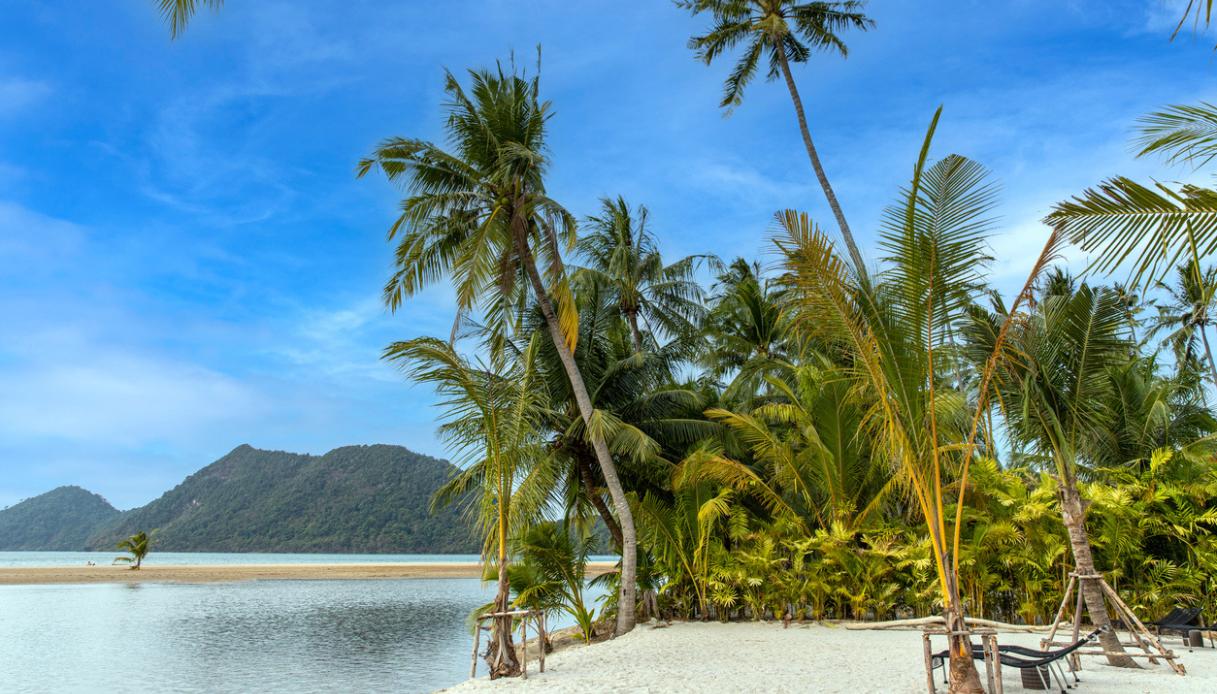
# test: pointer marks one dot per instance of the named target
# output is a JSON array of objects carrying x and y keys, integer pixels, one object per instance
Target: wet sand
[{"x": 221, "y": 573}]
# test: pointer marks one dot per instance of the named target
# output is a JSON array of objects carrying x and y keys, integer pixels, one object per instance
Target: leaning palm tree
[
  {"x": 782, "y": 32},
  {"x": 137, "y": 547},
  {"x": 177, "y": 13},
  {"x": 1057, "y": 391},
  {"x": 480, "y": 212},
  {"x": 895, "y": 336},
  {"x": 621, "y": 253},
  {"x": 492, "y": 421},
  {"x": 1187, "y": 317}
]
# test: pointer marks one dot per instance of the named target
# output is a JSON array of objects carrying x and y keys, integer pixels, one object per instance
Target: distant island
[{"x": 355, "y": 499}]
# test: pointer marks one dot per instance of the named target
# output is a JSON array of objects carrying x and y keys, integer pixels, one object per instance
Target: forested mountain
[
  {"x": 373, "y": 499},
  {"x": 61, "y": 519},
  {"x": 352, "y": 499}
]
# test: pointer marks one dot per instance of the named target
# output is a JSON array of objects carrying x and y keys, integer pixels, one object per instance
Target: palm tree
[
  {"x": 177, "y": 13},
  {"x": 747, "y": 329},
  {"x": 1188, "y": 316},
  {"x": 621, "y": 253},
  {"x": 811, "y": 464},
  {"x": 552, "y": 573},
  {"x": 1153, "y": 228},
  {"x": 783, "y": 31},
  {"x": 646, "y": 416},
  {"x": 492, "y": 421},
  {"x": 1057, "y": 391},
  {"x": 137, "y": 547},
  {"x": 481, "y": 213},
  {"x": 895, "y": 337}
]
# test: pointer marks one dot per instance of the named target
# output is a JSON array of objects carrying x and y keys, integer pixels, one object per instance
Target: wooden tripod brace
[{"x": 1142, "y": 638}]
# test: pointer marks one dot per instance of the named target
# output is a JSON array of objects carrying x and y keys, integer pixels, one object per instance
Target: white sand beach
[{"x": 764, "y": 657}]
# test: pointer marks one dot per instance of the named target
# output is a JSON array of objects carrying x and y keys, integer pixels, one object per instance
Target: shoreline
[
  {"x": 234, "y": 573},
  {"x": 746, "y": 657}
]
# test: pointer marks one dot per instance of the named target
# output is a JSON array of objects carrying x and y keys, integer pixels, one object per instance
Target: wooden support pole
[
  {"x": 1136, "y": 623},
  {"x": 1060, "y": 613},
  {"x": 929, "y": 666},
  {"x": 524, "y": 650},
  {"x": 477, "y": 641},
  {"x": 544, "y": 641}
]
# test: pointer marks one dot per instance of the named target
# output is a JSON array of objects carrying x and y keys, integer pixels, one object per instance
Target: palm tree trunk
[
  {"x": 846, "y": 234},
  {"x": 1074, "y": 517},
  {"x": 631, "y": 317},
  {"x": 501, "y": 654},
  {"x": 961, "y": 674},
  {"x": 1208, "y": 351},
  {"x": 589, "y": 488},
  {"x": 629, "y": 538}
]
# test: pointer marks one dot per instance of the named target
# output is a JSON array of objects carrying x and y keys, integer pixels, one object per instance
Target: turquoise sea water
[
  {"x": 196, "y": 558},
  {"x": 257, "y": 636}
]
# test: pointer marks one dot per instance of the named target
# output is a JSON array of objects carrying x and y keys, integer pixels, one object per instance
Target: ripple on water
[{"x": 271, "y": 636}]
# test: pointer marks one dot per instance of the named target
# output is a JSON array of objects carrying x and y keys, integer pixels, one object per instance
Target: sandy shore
[
  {"x": 218, "y": 573},
  {"x": 752, "y": 657}
]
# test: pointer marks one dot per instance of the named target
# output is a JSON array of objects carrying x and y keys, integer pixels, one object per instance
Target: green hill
[
  {"x": 357, "y": 499},
  {"x": 61, "y": 519}
]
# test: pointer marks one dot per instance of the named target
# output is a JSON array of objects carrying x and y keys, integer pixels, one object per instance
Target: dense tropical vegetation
[
  {"x": 810, "y": 440},
  {"x": 822, "y": 437}
]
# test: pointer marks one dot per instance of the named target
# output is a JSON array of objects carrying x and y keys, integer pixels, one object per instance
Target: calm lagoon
[{"x": 257, "y": 636}]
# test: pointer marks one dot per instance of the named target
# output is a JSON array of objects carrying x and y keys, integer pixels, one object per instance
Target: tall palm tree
[
  {"x": 492, "y": 419},
  {"x": 781, "y": 31},
  {"x": 1186, "y": 319},
  {"x": 621, "y": 252},
  {"x": 895, "y": 336},
  {"x": 481, "y": 213},
  {"x": 1057, "y": 391},
  {"x": 136, "y": 546},
  {"x": 177, "y": 13}
]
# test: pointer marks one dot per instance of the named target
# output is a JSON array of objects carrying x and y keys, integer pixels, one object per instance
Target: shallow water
[
  {"x": 258, "y": 636},
  {"x": 14, "y": 559}
]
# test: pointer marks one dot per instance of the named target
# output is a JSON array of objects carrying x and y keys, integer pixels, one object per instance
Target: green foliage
[
  {"x": 769, "y": 30},
  {"x": 61, "y": 519},
  {"x": 137, "y": 547},
  {"x": 825, "y": 441},
  {"x": 177, "y": 13},
  {"x": 357, "y": 499},
  {"x": 550, "y": 575}
]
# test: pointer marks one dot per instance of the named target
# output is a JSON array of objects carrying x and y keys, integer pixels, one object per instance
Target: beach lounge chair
[
  {"x": 1046, "y": 665},
  {"x": 1182, "y": 620}
]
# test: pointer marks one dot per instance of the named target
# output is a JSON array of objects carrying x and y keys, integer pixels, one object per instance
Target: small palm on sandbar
[{"x": 137, "y": 547}]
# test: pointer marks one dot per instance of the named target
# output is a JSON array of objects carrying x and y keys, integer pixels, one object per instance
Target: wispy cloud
[
  {"x": 119, "y": 398},
  {"x": 17, "y": 94}
]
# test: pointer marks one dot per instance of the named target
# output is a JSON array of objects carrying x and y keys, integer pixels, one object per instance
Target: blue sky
[{"x": 187, "y": 262}]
